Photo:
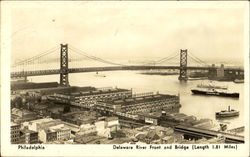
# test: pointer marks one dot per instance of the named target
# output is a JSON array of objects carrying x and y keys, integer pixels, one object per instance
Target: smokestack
[{"x": 228, "y": 108}]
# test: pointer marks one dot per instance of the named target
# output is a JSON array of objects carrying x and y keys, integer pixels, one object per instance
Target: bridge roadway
[
  {"x": 110, "y": 68},
  {"x": 209, "y": 133}
]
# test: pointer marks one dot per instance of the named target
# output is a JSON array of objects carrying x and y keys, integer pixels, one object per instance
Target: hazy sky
[{"x": 129, "y": 32}]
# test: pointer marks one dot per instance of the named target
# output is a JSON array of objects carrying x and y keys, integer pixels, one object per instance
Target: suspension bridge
[{"x": 64, "y": 59}]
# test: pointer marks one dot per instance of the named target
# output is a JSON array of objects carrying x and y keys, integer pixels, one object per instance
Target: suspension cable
[
  {"x": 35, "y": 57},
  {"x": 93, "y": 57}
]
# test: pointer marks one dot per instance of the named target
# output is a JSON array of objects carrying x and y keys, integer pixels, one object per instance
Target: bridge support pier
[
  {"x": 64, "y": 71},
  {"x": 183, "y": 65}
]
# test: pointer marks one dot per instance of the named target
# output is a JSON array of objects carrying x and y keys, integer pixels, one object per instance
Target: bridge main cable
[
  {"x": 93, "y": 57},
  {"x": 52, "y": 50},
  {"x": 192, "y": 56},
  {"x": 170, "y": 57}
]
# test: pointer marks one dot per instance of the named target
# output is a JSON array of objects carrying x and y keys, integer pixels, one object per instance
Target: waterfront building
[
  {"x": 87, "y": 98},
  {"x": 17, "y": 85},
  {"x": 15, "y": 133},
  {"x": 28, "y": 137},
  {"x": 149, "y": 103}
]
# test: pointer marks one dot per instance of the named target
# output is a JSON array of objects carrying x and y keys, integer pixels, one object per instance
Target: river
[{"x": 199, "y": 106}]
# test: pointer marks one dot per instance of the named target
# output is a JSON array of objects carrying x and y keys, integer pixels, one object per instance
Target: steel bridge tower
[
  {"x": 183, "y": 65},
  {"x": 64, "y": 71}
]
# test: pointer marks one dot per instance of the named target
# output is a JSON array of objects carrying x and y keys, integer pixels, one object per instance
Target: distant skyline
[{"x": 151, "y": 31}]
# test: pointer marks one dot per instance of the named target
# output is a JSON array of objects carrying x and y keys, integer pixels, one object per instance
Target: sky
[{"x": 111, "y": 32}]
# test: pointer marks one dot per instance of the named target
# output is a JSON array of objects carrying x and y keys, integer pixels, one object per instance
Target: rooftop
[
  {"x": 94, "y": 91},
  {"x": 27, "y": 131},
  {"x": 14, "y": 124},
  {"x": 21, "y": 111},
  {"x": 82, "y": 115},
  {"x": 58, "y": 127},
  {"x": 42, "y": 120},
  {"x": 129, "y": 101}
]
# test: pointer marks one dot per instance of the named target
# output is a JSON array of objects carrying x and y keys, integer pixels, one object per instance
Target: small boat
[
  {"x": 99, "y": 75},
  {"x": 238, "y": 81},
  {"x": 227, "y": 113}
]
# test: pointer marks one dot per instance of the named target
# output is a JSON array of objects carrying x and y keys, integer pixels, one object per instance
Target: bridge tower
[
  {"x": 183, "y": 65},
  {"x": 64, "y": 71}
]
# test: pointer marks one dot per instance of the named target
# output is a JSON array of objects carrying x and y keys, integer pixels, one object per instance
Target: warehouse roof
[{"x": 142, "y": 99}]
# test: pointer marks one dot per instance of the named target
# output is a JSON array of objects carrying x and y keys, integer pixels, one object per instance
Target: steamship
[{"x": 214, "y": 90}]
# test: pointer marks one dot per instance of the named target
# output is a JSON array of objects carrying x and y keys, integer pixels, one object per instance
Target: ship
[
  {"x": 227, "y": 113},
  {"x": 214, "y": 91}
]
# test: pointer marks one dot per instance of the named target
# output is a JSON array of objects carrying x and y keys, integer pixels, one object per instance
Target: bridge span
[{"x": 109, "y": 68}]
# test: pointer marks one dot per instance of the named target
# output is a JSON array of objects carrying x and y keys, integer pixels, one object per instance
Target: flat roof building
[
  {"x": 81, "y": 117},
  {"x": 28, "y": 137},
  {"x": 133, "y": 105},
  {"x": 87, "y": 98}
]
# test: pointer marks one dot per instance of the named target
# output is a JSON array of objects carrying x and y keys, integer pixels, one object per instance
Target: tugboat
[
  {"x": 227, "y": 113},
  {"x": 214, "y": 90}
]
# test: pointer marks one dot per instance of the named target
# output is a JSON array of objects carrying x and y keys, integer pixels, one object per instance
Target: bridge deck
[{"x": 111, "y": 68}]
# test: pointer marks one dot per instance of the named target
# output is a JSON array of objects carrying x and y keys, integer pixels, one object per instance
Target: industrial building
[
  {"x": 134, "y": 105},
  {"x": 22, "y": 115},
  {"x": 80, "y": 117},
  {"x": 28, "y": 137},
  {"x": 102, "y": 128},
  {"x": 88, "y": 97},
  {"x": 47, "y": 136},
  {"x": 15, "y": 133}
]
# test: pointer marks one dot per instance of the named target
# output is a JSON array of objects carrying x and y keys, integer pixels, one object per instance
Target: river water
[{"x": 199, "y": 106}]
